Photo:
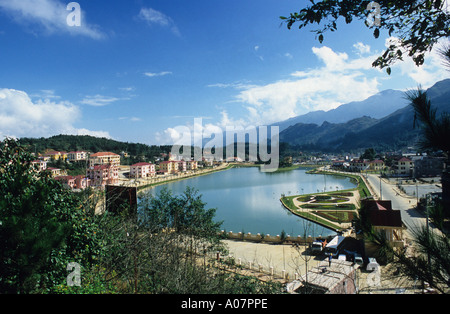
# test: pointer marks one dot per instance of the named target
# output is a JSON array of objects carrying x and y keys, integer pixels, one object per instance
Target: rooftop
[{"x": 103, "y": 154}]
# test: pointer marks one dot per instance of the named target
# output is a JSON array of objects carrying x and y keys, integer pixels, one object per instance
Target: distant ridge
[
  {"x": 393, "y": 131},
  {"x": 376, "y": 106}
]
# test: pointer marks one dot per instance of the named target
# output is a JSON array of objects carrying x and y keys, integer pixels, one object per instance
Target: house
[
  {"x": 55, "y": 155},
  {"x": 76, "y": 156},
  {"x": 103, "y": 158},
  {"x": 191, "y": 165},
  {"x": 142, "y": 170},
  {"x": 359, "y": 165},
  {"x": 39, "y": 165},
  {"x": 82, "y": 182},
  {"x": 376, "y": 165},
  {"x": 385, "y": 221},
  {"x": 332, "y": 276},
  {"x": 403, "y": 167},
  {"x": 166, "y": 167},
  {"x": 77, "y": 182},
  {"x": 68, "y": 181},
  {"x": 182, "y": 166},
  {"x": 172, "y": 166},
  {"x": 55, "y": 172},
  {"x": 101, "y": 175}
]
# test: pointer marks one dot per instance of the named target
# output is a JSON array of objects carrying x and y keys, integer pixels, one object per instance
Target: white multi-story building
[{"x": 142, "y": 170}]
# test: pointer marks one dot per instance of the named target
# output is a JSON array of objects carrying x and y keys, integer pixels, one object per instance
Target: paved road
[{"x": 410, "y": 217}]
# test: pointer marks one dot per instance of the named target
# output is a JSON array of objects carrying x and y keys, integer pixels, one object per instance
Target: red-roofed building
[
  {"x": 142, "y": 170},
  {"x": 67, "y": 180},
  {"x": 82, "y": 182},
  {"x": 404, "y": 167},
  {"x": 101, "y": 175},
  {"x": 384, "y": 220},
  {"x": 103, "y": 158},
  {"x": 78, "y": 182}
]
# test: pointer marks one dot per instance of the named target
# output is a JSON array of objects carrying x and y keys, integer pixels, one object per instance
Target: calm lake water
[{"x": 248, "y": 200}]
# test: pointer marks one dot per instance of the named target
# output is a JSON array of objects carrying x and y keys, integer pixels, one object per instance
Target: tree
[
  {"x": 167, "y": 250},
  {"x": 417, "y": 25},
  {"x": 435, "y": 135},
  {"x": 43, "y": 226},
  {"x": 369, "y": 154}
]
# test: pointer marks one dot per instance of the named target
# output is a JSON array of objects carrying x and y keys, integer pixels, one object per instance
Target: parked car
[{"x": 318, "y": 246}]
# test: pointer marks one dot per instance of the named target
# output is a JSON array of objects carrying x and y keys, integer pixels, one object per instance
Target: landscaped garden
[{"x": 335, "y": 210}]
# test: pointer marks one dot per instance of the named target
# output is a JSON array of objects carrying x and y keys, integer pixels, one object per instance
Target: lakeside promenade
[{"x": 146, "y": 183}]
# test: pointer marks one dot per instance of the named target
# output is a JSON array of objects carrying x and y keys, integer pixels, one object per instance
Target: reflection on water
[{"x": 248, "y": 200}]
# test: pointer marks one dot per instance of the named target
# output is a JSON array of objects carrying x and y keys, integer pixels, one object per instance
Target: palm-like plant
[{"x": 436, "y": 131}]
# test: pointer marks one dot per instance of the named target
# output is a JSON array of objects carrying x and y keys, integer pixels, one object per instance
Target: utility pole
[
  {"x": 428, "y": 237},
  {"x": 381, "y": 191}
]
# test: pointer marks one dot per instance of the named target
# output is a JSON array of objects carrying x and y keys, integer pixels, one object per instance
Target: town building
[
  {"x": 101, "y": 175},
  {"x": 104, "y": 158},
  {"x": 403, "y": 167},
  {"x": 55, "y": 172},
  {"x": 385, "y": 221},
  {"x": 182, "y": 166},
  {"x": 39, "y": 165},
  {"x": 142, "y": 170},
  {"x": 82, "y": 182},
  {"x": 68, "y": 181},
  {"x": 166, "y": 167},
  {"x": 77, "y": 182},
  {"x": 360, "y": 165},
  {"x": 55, "y": 155},
  {"x": 191, "y": 165},
  {"x": 77, "y": 156},
  {"x": 173, "y": 166}
]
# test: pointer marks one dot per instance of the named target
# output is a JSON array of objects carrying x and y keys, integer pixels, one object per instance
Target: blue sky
[{"x": 138, "y": 70}]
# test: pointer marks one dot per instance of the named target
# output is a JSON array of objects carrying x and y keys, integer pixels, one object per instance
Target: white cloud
[
  {"x": 427, "y": 74},
  {"x": 340, "y": 80},
  {"x": 361, "y": 48},
  {"x": 98, "y": 100},
  {"x": 134, "y": 119},
  {"x": 49, "y": 15},
  {"x": 152, "y": 74},
  {"x": 21, "y": 117},
  {"x": 154, "y": 17}
]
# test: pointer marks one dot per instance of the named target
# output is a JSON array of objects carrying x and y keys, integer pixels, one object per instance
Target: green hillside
[{"x": 93, "y": 144}]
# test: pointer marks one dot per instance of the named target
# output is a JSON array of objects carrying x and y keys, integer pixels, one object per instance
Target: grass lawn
[
  {"x": 329, "y": 208},
  {"x": 339, "y": 217}
]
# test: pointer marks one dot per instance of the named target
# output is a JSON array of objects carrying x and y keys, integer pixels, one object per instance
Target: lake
[{"x": 248, "y": 200}]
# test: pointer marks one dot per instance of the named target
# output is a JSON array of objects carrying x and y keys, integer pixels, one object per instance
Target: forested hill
[{"x": 92, "y": 144}]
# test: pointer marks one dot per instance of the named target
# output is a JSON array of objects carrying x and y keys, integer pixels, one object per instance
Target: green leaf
[
  {"x": 376, "y": 33},
  {"x": 320, "y": 38},
  {"x": 388, "y": 71}
]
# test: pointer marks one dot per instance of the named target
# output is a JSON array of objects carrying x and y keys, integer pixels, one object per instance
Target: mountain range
[{"x": 383, "y": 121}]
